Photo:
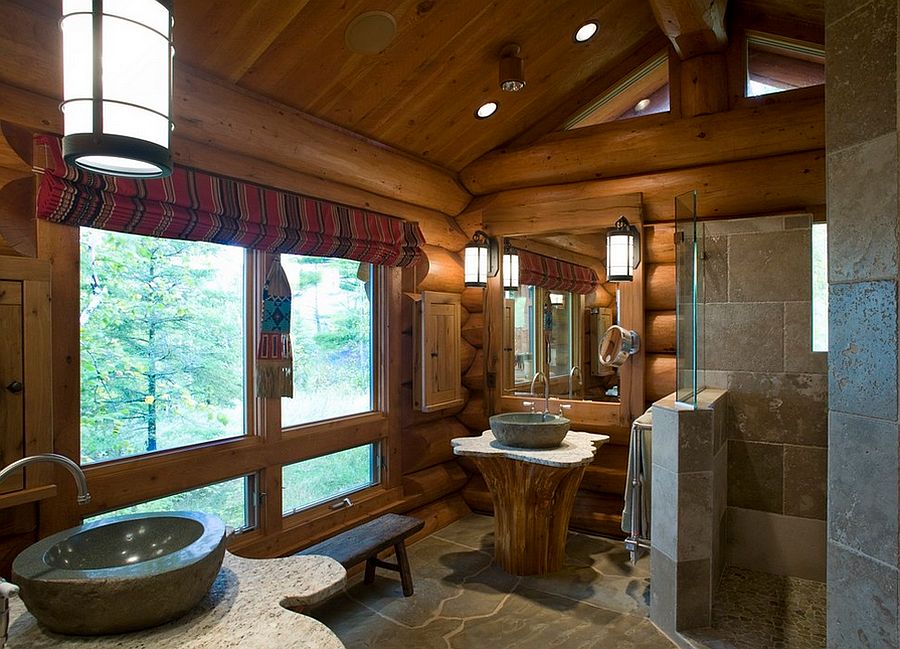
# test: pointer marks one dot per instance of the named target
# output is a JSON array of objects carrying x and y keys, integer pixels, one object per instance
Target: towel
[{"x": 641, "y": 441}]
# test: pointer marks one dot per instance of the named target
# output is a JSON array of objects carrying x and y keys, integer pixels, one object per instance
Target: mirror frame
[{"x": 585, "y": 415}]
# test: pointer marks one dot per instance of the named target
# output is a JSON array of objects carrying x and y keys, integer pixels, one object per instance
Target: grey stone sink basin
[
  {"x": 121, "y": 574},
  {"x": 529, "y": 429}
]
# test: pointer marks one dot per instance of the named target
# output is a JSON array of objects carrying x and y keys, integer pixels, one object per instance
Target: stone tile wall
[
  {"x": 863, "y": 481},
  {"x": 688, "y": 510},
  {"x": 758, "y": 346}
]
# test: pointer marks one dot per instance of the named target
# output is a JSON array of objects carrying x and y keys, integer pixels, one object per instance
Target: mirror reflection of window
[
  {"x": 523, "y": 339},
  {"x": 560, "y": 348}
]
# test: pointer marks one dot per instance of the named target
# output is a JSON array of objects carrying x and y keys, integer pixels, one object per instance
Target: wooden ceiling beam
[
  {"x": 653, "y": 143},
  {"x": 209, "y": 111},
  {"x": 693, "y": 26},
  {"x": 763, "y": 186},
  {"x": 535, "y": 216}
]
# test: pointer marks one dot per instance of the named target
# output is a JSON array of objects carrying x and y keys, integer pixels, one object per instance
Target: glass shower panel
[{"x": 688, "y": 300}]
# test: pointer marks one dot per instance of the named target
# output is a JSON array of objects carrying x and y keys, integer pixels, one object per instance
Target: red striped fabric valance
[
  {"x": 547, "y": 272},
  {"x": 198, "y": 206}
]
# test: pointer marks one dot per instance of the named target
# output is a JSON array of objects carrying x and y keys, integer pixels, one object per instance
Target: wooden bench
[{"x": 367, "y": 540}]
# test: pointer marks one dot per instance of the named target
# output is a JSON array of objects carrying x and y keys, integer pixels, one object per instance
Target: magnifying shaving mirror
[{"x": 617, "y": 346}]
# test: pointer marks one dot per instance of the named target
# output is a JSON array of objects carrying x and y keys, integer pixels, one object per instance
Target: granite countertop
[
  {"x": 244, "y": 608},
  {"x": 576, "y": 449}
]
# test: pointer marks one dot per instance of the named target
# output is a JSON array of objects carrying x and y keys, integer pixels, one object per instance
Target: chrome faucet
[
  {"x": 8, "y": 590},
  {"x": 575, "y": 370},
  {"x": 543, "y": 377},
  {"x": 81, "y": 482}
]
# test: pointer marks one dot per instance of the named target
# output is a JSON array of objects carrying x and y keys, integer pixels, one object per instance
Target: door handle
[{"x": 15, "y": 387}]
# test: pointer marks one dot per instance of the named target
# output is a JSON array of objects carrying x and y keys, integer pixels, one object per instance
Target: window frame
[
  {"x": 264, "y": 448},
  {"x": 784, "y": 44}
]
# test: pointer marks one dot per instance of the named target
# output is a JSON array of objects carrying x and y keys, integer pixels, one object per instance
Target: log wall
[{"x": 659, "y": 314}]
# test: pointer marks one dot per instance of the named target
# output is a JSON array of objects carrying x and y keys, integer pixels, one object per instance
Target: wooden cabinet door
[
  {"x": 437, "y": 336},
  {"x": 12, "y": 391}
]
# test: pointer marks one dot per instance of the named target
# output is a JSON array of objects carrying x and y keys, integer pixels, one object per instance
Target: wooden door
[{"x": 12, "y": 391}]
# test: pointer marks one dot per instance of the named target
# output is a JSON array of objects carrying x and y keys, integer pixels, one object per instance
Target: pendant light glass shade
[
  {"x": 510, "y": 269},
  {"x": 117, "y": 86},
  {"x": 480, "y": 260},
  {"x": 623, "y": 251}
]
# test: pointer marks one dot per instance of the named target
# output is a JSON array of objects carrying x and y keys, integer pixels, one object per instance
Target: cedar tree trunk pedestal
[{"x": 533, "y": 492}]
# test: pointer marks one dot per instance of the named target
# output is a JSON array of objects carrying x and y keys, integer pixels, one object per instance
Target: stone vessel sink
[
  {"x": 121, "y": 574},
  {"x": 529, "y": 429}
]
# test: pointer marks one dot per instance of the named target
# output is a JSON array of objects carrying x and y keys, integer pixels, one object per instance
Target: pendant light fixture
[
  {"x": 480, "y": 260},
  {"x": 510, "y": 268},
  {"x": 117, "y": 86},
  {"x": 623, "y": 251}
]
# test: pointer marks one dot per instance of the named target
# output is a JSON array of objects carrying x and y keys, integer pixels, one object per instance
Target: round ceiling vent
[{"x": 371, "y": 32}]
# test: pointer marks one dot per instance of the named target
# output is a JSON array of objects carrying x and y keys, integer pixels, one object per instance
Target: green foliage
[{"x": 161, "y": 346}]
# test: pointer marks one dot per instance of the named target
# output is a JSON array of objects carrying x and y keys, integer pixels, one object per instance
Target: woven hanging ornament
[{"x": 274, "y": 355}]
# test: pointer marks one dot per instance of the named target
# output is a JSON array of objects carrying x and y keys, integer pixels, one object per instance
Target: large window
[
  {"x": 231, "y": 500},
  {"x": 167, "y": 337},
  {"x": 329, "y": 477},
  {"x": 331, "y": 330},
  {"x": 162, "y": 344}
]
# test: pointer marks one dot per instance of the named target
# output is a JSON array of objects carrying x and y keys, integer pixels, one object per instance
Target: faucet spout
[
  {"x": 80, "y": 481},
  {"x": 575, "y": 370}
]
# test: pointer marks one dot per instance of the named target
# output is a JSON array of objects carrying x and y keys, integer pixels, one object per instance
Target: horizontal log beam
[
  {"x": 659, "y": 380},
  {"x": 209, "y": 111},
  {"x": 652, "y": 143},
  {"x": 533, "y": 216},
  {"x": 660, "y": 287},
  {"x": 660, "y": 332},
  {"x": 781, "y": 183}
]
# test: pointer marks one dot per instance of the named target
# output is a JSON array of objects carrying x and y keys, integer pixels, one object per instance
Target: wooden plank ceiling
[{"x": 420, "y": 93}]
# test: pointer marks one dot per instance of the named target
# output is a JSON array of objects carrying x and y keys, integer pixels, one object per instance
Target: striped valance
[
  {"x": 198, "y": 206},
  {"x": 547, "y": 272}
]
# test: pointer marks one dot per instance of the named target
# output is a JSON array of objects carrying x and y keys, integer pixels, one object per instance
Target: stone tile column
[
  {"x": 688, "y": 500},
  {"x": 864, "y": 448}
]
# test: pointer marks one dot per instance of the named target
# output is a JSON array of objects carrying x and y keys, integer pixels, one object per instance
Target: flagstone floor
[{"x": 463, "y": 601}]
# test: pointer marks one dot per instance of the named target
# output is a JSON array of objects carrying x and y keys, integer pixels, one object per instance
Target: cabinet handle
[
  {"x": 434, "y": 354},
  {"x": 15, "y": 387}
]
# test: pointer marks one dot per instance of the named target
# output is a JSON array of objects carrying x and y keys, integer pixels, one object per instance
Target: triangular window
[
  {"x": 643, "y": 92},
  {"x": 776, "y": 64}
]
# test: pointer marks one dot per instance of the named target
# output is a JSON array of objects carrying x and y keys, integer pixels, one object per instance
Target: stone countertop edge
[
  {"x": 577, "y": 448},
  {"x": 244, "y": 608},
  {"x": 707, "y": 399}
]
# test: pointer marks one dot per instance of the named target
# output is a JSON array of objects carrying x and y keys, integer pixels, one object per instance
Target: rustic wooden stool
[{"x": 366, "y": 541}]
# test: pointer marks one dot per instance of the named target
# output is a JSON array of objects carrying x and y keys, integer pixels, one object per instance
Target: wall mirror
[
  {"x": 553, "y": 333},
  {"x": 551, "y": 326}
]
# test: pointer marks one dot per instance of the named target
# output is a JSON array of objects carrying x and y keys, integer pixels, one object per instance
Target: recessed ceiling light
[
  {"x": 371, "y": 32},
  {"x": 486, "y": 110},
  {"x": 587, "y": 31},
  {"x": 642, "y": 105}
]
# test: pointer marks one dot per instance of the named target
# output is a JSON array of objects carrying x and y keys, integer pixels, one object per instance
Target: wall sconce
[
  {"x": 512, "y": 68},
  {"x": 117, "y": 86},
  {"x": 557, "y": 299},
  {"x": 481, "y": 259},
  {"x": 623, "y": 251},
  {"x": 510, "y": 268}
]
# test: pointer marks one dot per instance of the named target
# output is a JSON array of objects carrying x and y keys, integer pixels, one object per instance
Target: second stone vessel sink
[
  {"x": 529, "y": 429},
  {"x": 121, "y": 574}
]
